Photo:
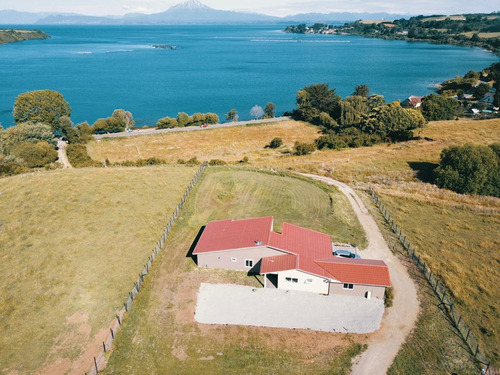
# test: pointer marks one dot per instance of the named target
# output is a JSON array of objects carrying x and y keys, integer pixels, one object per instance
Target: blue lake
[{"x": 102, "y": 68}]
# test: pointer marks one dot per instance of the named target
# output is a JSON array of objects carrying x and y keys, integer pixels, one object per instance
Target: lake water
[{"x": 216, "y": 68}]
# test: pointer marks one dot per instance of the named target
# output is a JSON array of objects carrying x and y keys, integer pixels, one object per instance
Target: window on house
[
  {"x": 309, "y": 281},
  {"x": 348, "y": 286},
  {"x": 249, "y": 263},
  {"x": 233, "y": 260},
  {"x": 292, "y": 280}
]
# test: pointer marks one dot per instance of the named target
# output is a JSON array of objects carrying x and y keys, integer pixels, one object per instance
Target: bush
[
  {"x": 275, "y": 143},
  {"x": 193, "y": 161},
  {"x": 244, "y": 160},
  {"x": 437, "y": 107},
  {"x": 389, "y": 297},
  {"x": 35, "y": 155},
  {"x": 167, "y": 123},
  {"x": 469, "y": 169},
  {"x": 216, "y": 162},
  {"x": 78, "y": 156},
  {"x": 301, "y": 148}
]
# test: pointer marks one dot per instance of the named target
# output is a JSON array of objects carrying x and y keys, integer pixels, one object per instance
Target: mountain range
[{"x": 190, "y": 12}]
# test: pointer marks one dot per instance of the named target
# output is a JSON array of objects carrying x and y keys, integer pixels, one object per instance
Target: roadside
[
  {"x": 61, "y": 152},
  {"x": 190, "y": 128},
  {"x": 400, "y": 319}
]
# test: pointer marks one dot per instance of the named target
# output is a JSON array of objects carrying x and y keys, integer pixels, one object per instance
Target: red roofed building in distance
[{"x": 295, "y": 259}]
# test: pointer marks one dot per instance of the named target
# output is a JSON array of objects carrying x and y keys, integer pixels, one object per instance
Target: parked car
[{"x": 346, "y": 254}]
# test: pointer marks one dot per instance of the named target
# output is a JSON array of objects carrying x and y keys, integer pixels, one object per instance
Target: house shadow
[
  {"x": 424, "y": 170},
  {"x": 193, "y": 246}
]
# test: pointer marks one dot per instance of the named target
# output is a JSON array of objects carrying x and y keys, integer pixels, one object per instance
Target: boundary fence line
[
  {"x": 437, "y": 287},
  {"x": 100, "y": 361}
]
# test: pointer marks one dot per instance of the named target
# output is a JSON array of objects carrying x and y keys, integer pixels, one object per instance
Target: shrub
[
  {"x": 389, "y": 297},
  {"x": 216, "y": 162},
  {"x": 79, "y": 158},
  {"x": 167, "y": 123},
  {"x": 193, "y": 161},
  {"x": 244, "y": 160},
  {"x": 35, "y": 155},
  {"x": 275, "y": 143},
  {"x": 469, "y": 169},
  {"x": 301, "y": 148}
]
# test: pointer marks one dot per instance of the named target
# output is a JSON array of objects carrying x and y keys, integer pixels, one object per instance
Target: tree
[
  {"x": 198, "y": 119},
  {"x": 211, "y": 118},
  {"x": 27, "y": 133},
  {"x": 481, "y": 90},
  {"x": 437, "y": 107},
  {"x": 375, "y": 101},
  {"x": 392, "y": 121},
  {"x": 469, "y": 169},
  {"x": 256, "y": 112},
  {"x": 123, "y": 118},
  {"x": 42, "y": 106},
  {"x": 232, "y": 115},
  {"x": 167, "y": 123},
  {"x": 184, "y": 119},
  {"x": 361, "y": 90},
  {"x": 67, "y": 130},
  {"x": 327, "y": 121},
  {"x": 317, "y": 98},
  {"x": 270, "y": 110}
]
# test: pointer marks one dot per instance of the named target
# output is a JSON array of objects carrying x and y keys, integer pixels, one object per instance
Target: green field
[
  {"x": 461, "y": 247},
  {"x": 72, "y": 243},
  {"x": 160, "y": 335}
]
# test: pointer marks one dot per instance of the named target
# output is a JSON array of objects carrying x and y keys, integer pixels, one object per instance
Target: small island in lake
[
  {"x": 164, "y": 46},
  {"x": 19, "y": 35}
]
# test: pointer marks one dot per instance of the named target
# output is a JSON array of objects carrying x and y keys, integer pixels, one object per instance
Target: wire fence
[
  {"x": 100, "y": 361},
  {"x": 438, "y": 288}
]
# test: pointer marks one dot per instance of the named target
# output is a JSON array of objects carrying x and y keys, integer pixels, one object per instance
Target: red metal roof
[
  {"x": 234, "y": 234},
  {"x": 278, "y": 263},
  {"x": 303, "y": 249},
  {"x": 357, "y": 271}
]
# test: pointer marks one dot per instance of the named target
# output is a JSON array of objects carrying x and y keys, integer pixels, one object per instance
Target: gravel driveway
[{"x": 243, "y": 305}]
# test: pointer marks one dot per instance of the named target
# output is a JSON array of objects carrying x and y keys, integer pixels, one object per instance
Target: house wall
[
  {"x": 358, "y": 290},
  {"x": 317, "y": 285},
  {"x": 222, "y": 259}
]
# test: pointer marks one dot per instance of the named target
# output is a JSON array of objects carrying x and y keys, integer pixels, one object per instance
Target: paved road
[
  {"x": 401, "y": 317},
  {"x": 189, "y": 128},
  {"x": 61, "y": 153}
]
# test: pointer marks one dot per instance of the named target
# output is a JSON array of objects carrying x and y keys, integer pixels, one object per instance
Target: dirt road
[
  {"x": 401, "y": 317},
  {"x": 61, "y": 152}
]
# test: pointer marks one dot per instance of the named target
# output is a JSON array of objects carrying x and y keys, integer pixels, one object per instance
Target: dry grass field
[
  {"x": 382, "y": 164},
  {"x": 461, "y": 245},
  {"x": 72, "y": 243},
  {"x": 229, "y": 144},
  {"x": 160, "y": 335}
]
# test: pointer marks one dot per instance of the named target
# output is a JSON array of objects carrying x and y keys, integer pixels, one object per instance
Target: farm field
[
  {"x": 459, "y": 243},
  {"x": 72, "y": 243},
  {"x": 381, "y": 164},
  {"x": 160, "y": 336}
]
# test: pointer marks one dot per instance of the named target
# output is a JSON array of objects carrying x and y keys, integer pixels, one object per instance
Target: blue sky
[{"x": 272, "y": 7}]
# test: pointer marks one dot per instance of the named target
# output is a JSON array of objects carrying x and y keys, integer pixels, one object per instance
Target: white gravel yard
[{"x": 243, "y": 305}]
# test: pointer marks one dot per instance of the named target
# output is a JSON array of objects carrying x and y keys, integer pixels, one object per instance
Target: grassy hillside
[
  {"x": 160, "y": 335},
  {"x": 72, "y": 243},
  {"x": 18, "y": 35},
  {"x": 461, "y": 245}
]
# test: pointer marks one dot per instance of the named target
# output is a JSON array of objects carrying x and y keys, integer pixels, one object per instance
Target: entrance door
[
  {"x": 272, "y": 280},
  {"x": 368, "y": 295}
]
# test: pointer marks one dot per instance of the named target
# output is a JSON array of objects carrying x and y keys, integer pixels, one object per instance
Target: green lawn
[
  {"x": 72, "y": 243},
  {"x": 160, "y": 335}
]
